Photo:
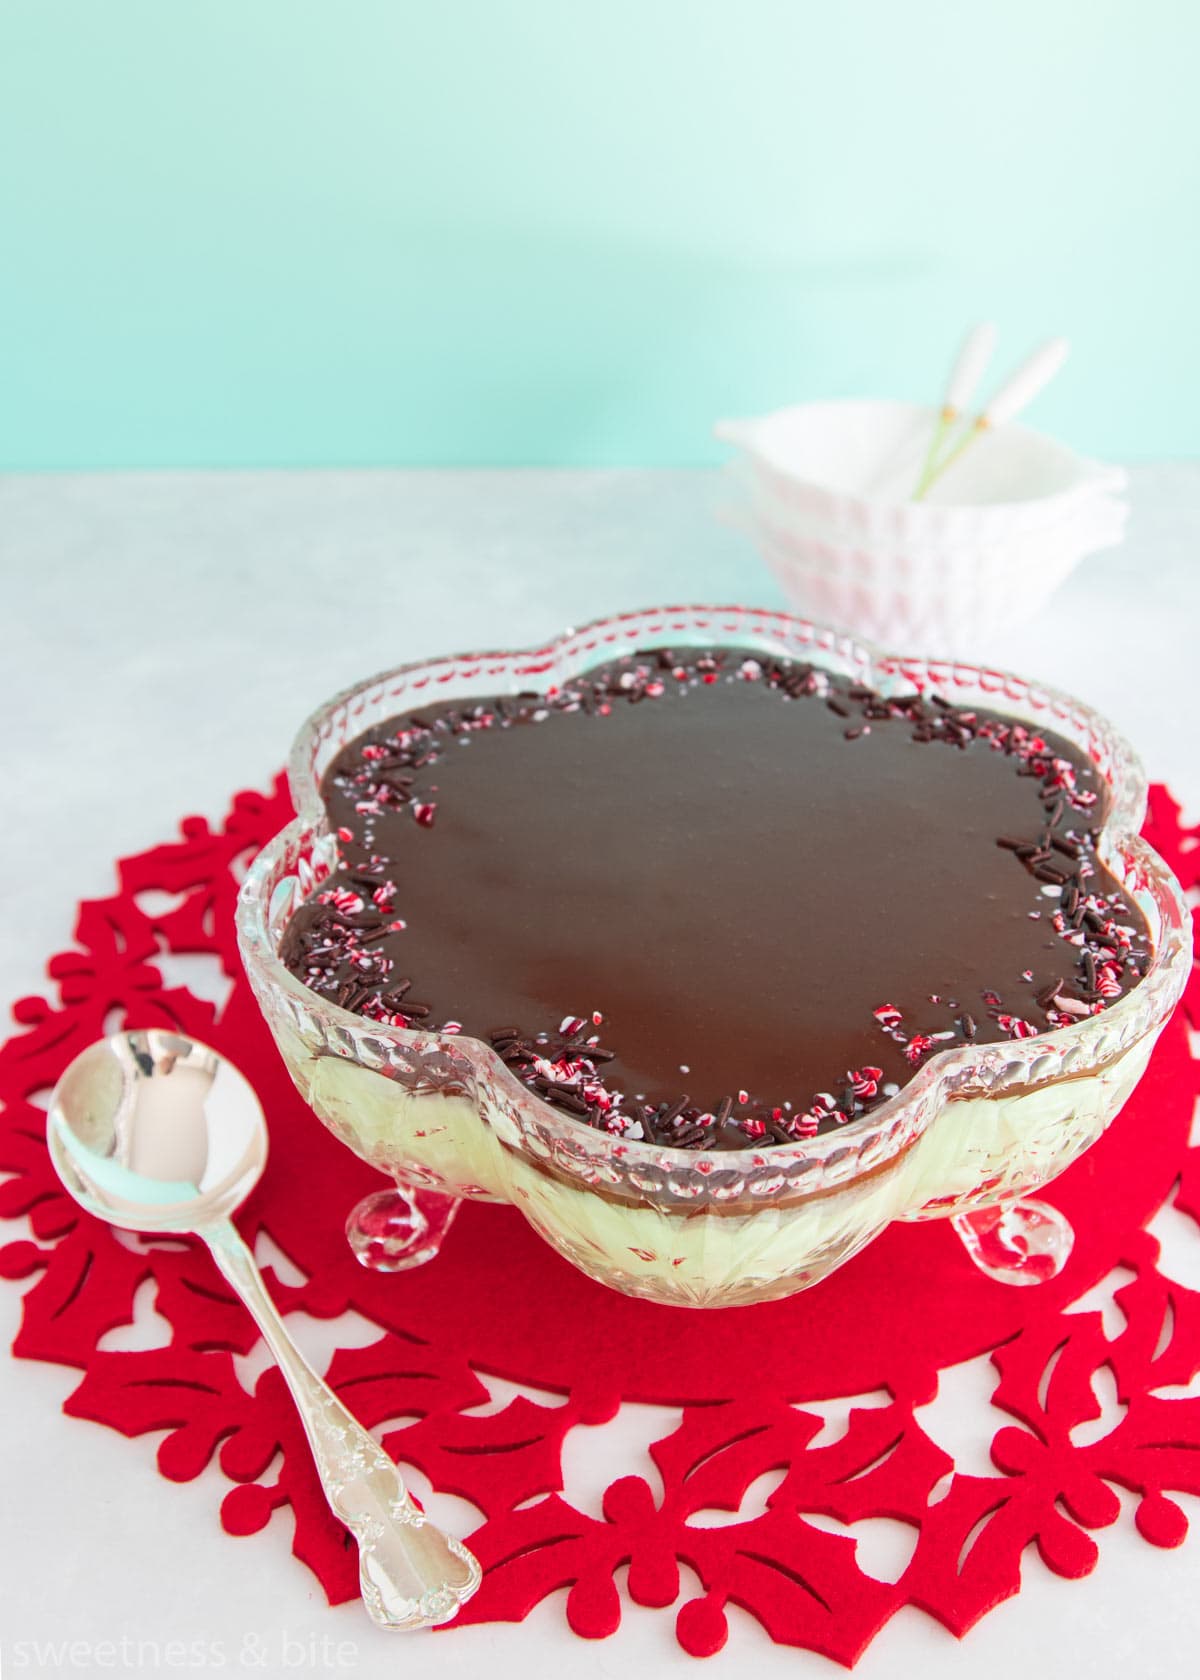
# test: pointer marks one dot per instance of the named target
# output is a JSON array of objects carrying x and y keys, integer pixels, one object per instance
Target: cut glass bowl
[{"x": 970, "y": 1134}]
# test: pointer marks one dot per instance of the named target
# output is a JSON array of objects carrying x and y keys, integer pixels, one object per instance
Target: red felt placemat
[{"x": 497, "y": 1301}]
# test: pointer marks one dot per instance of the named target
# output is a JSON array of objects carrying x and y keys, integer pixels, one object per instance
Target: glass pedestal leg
[
  {"x": 1020, "y": 1242},
  {"x": 394, "y": 1230}
]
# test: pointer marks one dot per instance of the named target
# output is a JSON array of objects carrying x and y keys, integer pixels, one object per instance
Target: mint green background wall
[{"x": 497, "y": 231}]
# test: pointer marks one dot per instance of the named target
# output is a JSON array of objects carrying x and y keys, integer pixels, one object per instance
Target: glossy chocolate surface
[{"x": 712, "y": 900}]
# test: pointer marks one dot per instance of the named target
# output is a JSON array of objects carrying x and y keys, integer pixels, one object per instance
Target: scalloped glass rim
[{"x": 949, "y": 1073}]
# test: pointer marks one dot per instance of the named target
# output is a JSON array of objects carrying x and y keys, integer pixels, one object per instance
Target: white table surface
[{"x": 126, "y": 603}]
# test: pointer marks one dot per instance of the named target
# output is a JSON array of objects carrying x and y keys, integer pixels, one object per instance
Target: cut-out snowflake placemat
[{"x": 744, "y": 1392}]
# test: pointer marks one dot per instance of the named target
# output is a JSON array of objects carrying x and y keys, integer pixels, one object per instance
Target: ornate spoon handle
[{"x": 412, "y": 1575}]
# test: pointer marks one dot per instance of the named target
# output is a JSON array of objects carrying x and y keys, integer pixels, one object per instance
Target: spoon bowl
[{"x": 154, "y": 1132}]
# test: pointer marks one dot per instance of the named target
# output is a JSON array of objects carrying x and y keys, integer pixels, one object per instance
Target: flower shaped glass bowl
[{"x": 970, "y": 1134}]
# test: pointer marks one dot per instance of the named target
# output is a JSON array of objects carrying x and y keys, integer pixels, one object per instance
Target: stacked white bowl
[{"x": 826, "y": 493}]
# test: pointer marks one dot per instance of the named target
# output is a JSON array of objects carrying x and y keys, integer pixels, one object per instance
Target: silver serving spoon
[{"x": 156, "y": 1133}]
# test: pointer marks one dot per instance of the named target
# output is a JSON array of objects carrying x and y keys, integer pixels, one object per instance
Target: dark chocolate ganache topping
[{"x": 713, "y": 900}]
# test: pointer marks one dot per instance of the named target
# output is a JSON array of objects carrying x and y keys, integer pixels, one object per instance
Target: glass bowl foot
[
  {"x": 394, "y": 1230},
  {"x": 1021, "y": 1242}
]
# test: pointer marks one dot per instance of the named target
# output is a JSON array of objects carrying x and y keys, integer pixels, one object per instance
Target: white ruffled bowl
[{"x": 823, "y": 490}]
